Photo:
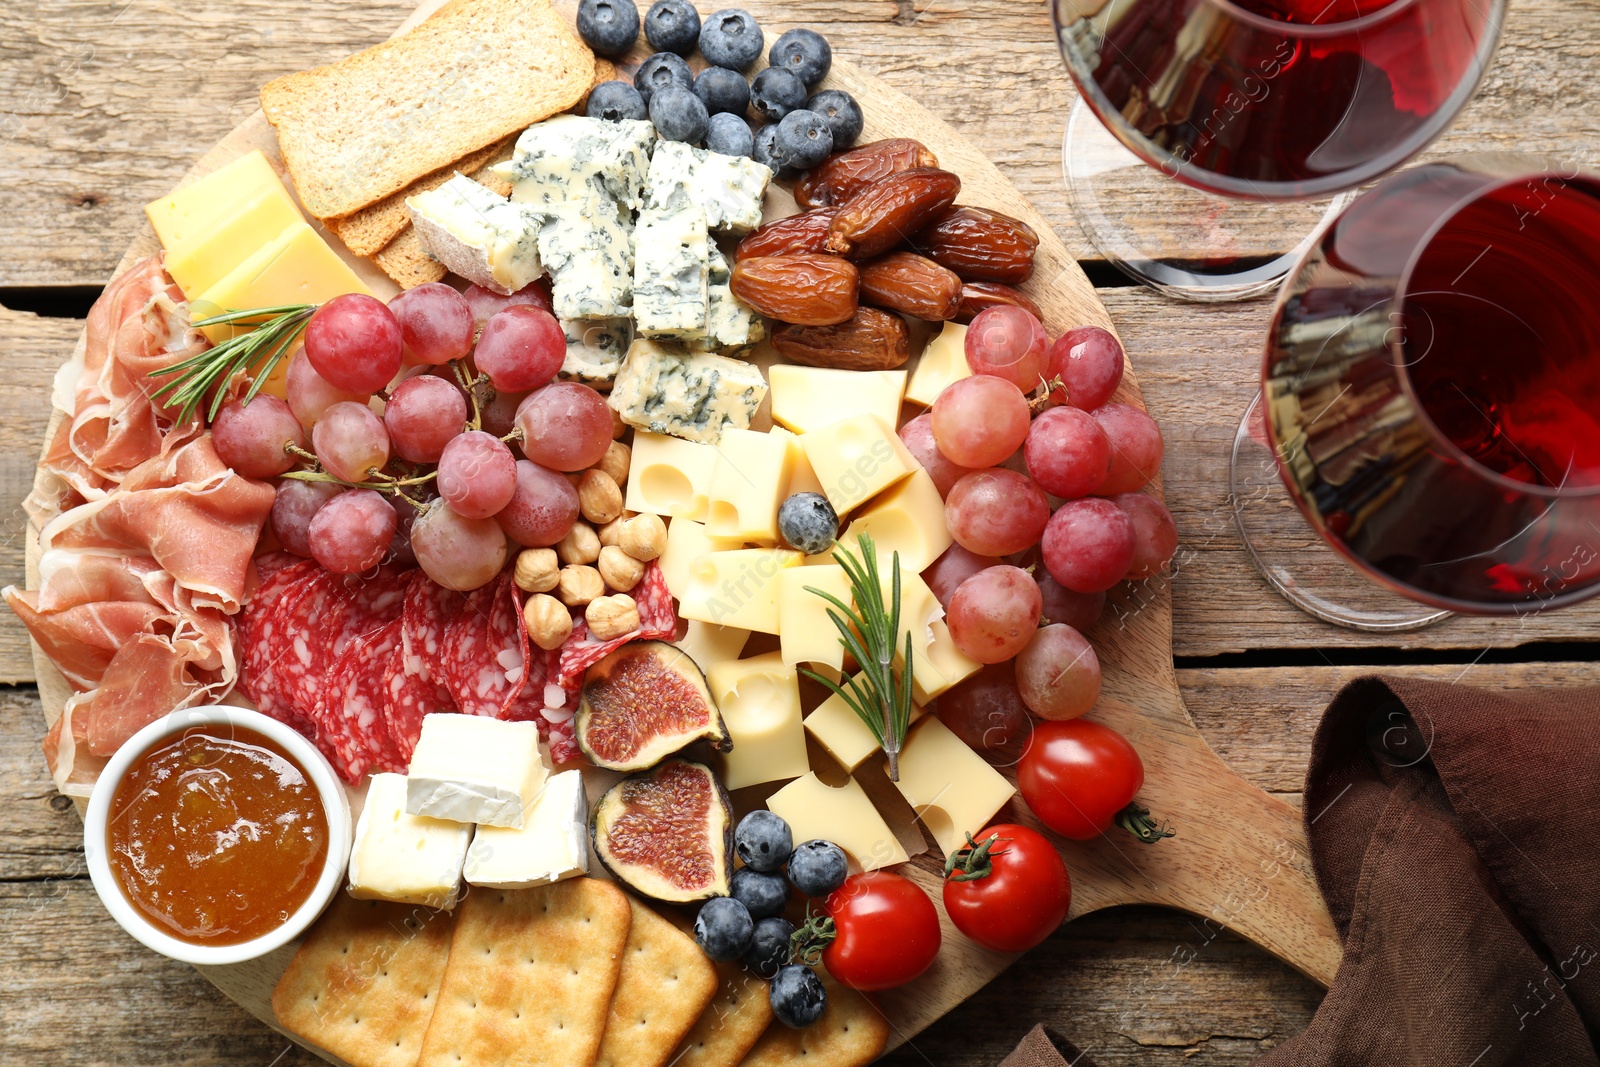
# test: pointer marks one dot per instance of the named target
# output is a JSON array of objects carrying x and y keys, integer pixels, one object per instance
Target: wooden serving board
[{"x": 1239, "y": 859}]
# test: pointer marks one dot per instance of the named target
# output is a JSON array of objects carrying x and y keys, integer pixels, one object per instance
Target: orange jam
[{"x": 217, "y": 836}]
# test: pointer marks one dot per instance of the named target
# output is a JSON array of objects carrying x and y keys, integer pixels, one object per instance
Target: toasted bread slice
[
  {"x": 375, "y": 225},
  {"x": 358, "y": 130}
]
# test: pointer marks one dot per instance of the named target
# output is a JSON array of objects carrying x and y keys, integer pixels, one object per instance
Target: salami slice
[
  {"x": 414, "y": 685},
  {"x": 368, "y": 603},
  {"x": 351, "y": 730},
  {"x": 657, "y": 622},
  {"x": 301, "y": 651},
  {"x": 263, "y": 638},
  {"x": 484, "y": 665}
]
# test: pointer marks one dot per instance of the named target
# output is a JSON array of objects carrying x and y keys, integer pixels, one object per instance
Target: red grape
[
  {"x": 996, "y": 512},
  {"x": 917, "y": 436},
  {"x": 1060, "y": 604},
  {"x": 1088, "y": 360},
  {"x": 1058, "y": 674},
  {"x": 405, "y": 514},
  {"x": 352, "y": 532},
  {"x": 310, "y": 394},
  {"x": 435, "y": 323},
  {"x": 1088, "y": 545},
  {"x": 987, "y": 712},
  {"x": 350, "y": 440},
  {"x": 354, "y": 342},
  {"x": 955, "y": 566},
  {"x": 499, "y": 414},
  {"x": 1067, "y": 452},
  {"x": 543, "y": 508},
  {"x": 477, "y": 475},
  {"x": 565, "y": 426},
  {"x": 254, "y": 438},
  {"x": 294, "y": 507},
  {"x": 1008, "y": 342},
  {"x": 423, "y": 415},
  {"x": 458, "y": 553},
  {"x": 1136, "y": 448},
  {"x": 979, "y": 421},
  {"x": 486, "y": 304},
  {"x": 994, "y": 613},
  {"x": 520, "y": 348},
  {"x": 1155, "y": 535}
]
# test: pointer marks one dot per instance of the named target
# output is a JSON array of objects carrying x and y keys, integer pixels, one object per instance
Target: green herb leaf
[{"x": 257, "y": 353}]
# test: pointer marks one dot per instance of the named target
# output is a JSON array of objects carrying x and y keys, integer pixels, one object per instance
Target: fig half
[
  {"x": 641, "y": 704},
  {"x": 667, "y": 833}
]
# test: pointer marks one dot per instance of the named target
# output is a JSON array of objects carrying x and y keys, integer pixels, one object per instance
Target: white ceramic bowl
[{"x": 335, "y": 805}]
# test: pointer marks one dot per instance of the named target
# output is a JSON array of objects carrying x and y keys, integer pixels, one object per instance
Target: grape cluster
[
  {"x": 430, "y": 429},
  {"x": 1037, "y": 468}
]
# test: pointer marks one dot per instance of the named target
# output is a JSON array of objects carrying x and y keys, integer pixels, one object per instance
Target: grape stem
[
  {"x": 1041, "y": 396},
  {"x": 300, "y": 453},
  {"x": 470, "y": 386},
  {"x": 514, "y": 435}
]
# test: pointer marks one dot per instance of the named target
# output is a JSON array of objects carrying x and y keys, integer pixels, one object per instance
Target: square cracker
[
  {"x": 852, "y": 1032},
  {"x": 731, "y": 1023},
  {"x": 530, "y": 976},
  {"x": 365, "y": 980},
  {"x": 665, "y": 984}
]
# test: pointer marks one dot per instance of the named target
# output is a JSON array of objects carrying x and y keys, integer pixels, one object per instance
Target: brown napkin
[{"x": 1456, "y": 838}]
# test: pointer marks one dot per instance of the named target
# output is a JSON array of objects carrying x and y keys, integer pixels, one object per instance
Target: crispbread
[
  {"x": 530, "y": 976},
  {"x": 365, "y": 980},
  {"x": 731, "y": 1023},
  {"x": 407, "y": 262},
  {"x": 375, "y": 225},
  {"x": 851, "y": 1032},
  {"x": 665, "y": 984},
  {"x": 355, "y": 131}
]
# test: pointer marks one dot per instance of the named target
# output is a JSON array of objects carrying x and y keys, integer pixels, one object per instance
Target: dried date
[
  {"x": 890, "y": 211},
  {"x": 797, "y": 235},
  {"x": 980, "y": 245},
  {"x": 976, "y": 296},
  {"x": 807, "y": 290},
  {"x": 912, "y": 285},
  {"x": 869, "y": 340},
  {"x": 838, "y": 178}
]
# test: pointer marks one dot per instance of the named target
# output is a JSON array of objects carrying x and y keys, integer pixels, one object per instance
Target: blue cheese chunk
[
  {"x": 588, "y": 250},
  {"x": 670, "y": 270},
  {"x": 477, "y": 234},
  {"x": 572, "y": 156},
  {"x": 595, "y": 350},
  {"x": 691, "y": 395},
  {"x": 731, "y": 324},
  {"x": 727, "y": 188}
]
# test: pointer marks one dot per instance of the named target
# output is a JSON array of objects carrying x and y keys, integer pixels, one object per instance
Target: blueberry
[
  {"x": 731, "y": 38},
  {"x": 679, "y": 115},
  {"x": 806, "y": 520},
  {"x": 608, "y": 26},
  {"x": 723, "y": 90},
  {"x": 763, "y": 893},
  {"x": 769, "y": 948},
  {"x": 817, "y": 868},
  {"x": 615, "y": 102},
  {"x": 765, "y": 149},
  {"x": 762, "y": 840},
  {"x": 775, "y": 92},
  {"x": 729, "y": 135},
  {"x": 804, "y": 138},
  {"x": 843, "y": 115},
  {"x": 797, "y": 996},
  {"x": 672, "y": 26},
  {"x": 724, "y": 928},
  {"x": 661, "y": 70},
  {"x": 803, "y": 53}
]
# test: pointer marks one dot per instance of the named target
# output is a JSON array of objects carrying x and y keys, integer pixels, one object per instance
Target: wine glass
[
  {"x": 1431, "y": 401},
  {"x": 1258, "y": 109}
]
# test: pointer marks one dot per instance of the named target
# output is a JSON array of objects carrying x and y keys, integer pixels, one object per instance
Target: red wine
[{"x": 1292, "y": 100}]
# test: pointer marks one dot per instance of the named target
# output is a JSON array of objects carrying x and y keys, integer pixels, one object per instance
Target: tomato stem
[
  {"x": 813, "y": 935},
  {"x": 1138, "y": 821},
  {"x": 975, "y": 861}
]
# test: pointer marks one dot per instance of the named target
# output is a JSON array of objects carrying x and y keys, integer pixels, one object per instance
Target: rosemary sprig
[
  {"x": 256, "y": 352},
  {"x": 880, "y": 699}
]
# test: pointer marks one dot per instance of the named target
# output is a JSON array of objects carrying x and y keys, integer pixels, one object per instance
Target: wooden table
[{"x": 107, "y": 103}]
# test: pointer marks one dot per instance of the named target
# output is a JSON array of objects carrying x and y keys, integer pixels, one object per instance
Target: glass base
[
  {"x": 1291, "y": 555},
  {"x": 1151, "y": 225}
]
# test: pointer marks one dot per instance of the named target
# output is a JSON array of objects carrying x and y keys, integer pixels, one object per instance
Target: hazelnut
[
  {"x": 581, "y": 545},
  {"x": 618, "y": 427},
  {"x": 579, "y": 585},
  {"x": 610, "y": 532},
  {"x": 620, "y": 570},
  {"x": 616, "y": 461},
  {"x": 536, "y": 570},
  {"x": 598, "y": 496},
  {"x": 643, "y": 537},
  {"x": 549, "y": 621},
  {"x": 612, "y": 616}
]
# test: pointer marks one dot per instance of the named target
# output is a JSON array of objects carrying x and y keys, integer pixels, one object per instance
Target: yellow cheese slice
[
  {"x": 856, "y": 459},
  {"x": 687, "y": 541},
  {"x": 809, "y": 398},
  {"x": 670, "y": 476},
  {"x": 939, "y": 665},
  {"x": 804, "y": 628},
  {"x": 200, "y": 263},
  {"x": 802, "y": 479},
  {"x": 709, "y": 645},
  {"x": 950, "y": 787},
  {"x": 837, "y": 728},
  {"x": 191, "y": 212},
  {"x": 908, "y": 519},
  {"x": 747, "y": 485},
  {"x": 297, "y": 267},
  {"x": 760, "y": 703},
  {"x": 943, "y": 361},
  {"x": 844, "y": 816},
  {"x": 738, "y": 588}
]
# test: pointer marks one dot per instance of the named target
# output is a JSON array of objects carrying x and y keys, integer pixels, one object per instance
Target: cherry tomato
[
  {"x": 1077, "y": 775},
  {"x": 887, "y": 931},
  {"x": 1023, "y": 897}
]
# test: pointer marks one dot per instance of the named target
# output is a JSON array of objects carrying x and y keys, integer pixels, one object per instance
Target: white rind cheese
[
  {"x": 552, "y": 845},
  {"x": 690, "y": 395},
  {"x": 474, "y": 769},
  {"x": 595, "y": 350},
  {"x": 411, "y": 859},
  {"x": 727, "y": 188},
  {"x": 670, "y": 271},
  {"x": 555, "y": 159},
  {"x": 479, "y": 235}
]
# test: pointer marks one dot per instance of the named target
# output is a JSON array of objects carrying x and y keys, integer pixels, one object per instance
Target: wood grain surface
[{"x": 107, "y": 104}]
